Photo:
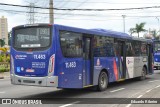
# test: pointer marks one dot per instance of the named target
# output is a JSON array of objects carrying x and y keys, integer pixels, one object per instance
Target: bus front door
[{"x": 87, "y": 56}]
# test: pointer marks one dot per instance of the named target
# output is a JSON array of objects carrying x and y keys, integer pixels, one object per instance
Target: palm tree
[
  {"x": 138, "y": 28},
  {"x": 132, "y": 30}
]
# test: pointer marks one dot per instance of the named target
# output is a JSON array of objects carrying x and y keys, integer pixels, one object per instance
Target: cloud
[{"x": 107, "y": 20}]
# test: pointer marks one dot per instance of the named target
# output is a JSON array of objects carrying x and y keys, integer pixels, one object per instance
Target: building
[{"x": 4, "y": 29}]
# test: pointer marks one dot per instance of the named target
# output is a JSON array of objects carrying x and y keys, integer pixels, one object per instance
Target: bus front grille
[{"x": 28, "y": 81}]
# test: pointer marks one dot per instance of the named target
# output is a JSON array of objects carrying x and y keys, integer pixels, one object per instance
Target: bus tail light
[
  {"x": 12, "y": 65},
  {"x": 51, "y": 65}
]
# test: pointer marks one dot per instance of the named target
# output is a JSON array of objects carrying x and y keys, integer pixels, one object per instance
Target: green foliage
[
  {"x": 4, "y": 69},
  {"x": 155, "y": 34},
  {"x": 1, "y": 59},
  {"x": 4, "y": 63},
  {"x": 8, "y": 58},
  {"x": 138, "y": 28},
  {"x": 4, "y": 58},
  {"x": 2, "y": 42}
]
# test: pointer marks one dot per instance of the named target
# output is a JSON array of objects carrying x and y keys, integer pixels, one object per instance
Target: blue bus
[
  {"x": 69, "y": 57},
  {"x": 156, "y": 54}
]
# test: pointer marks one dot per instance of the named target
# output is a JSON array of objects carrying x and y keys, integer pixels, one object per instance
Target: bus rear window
[{"x": 32, "y": 38}]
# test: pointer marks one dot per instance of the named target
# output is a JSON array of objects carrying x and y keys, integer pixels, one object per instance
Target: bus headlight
[{"x": 51, "y": 65}]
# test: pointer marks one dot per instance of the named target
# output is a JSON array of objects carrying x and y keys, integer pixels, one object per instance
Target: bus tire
[
  {"x": 102, "y": 81},
  {"x": 143, "y": 74}
]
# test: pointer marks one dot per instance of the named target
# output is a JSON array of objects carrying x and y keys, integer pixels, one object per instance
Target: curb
[
  {"x": 4, "y": 75},
  {"x": 1, "y": 77}
]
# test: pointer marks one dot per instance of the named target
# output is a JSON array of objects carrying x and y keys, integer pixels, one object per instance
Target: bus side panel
[
  {"x": 55, "y": 44},
  {"x": 68, "y": 70},
  {"x": 108, "y": 63},
  {"x": 86, "y": 72},
  {"x": 70, "y": 73},
  {"x": 130, "y": 68},
  {"x": 135, "y": 66}
]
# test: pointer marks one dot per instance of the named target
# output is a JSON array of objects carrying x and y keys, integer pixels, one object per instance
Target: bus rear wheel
[{"x": 102, "y": 81}]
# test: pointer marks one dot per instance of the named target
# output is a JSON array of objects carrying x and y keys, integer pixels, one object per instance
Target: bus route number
[
  {"x": 39, "y": 56},
  {"x": 70, "y": 64}
]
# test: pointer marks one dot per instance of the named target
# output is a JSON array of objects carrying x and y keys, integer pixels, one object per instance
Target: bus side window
[
  {"x": 103, "y": 46},
  {"x": 71, "y": 44},
  {"x": 129, "y": 50}
]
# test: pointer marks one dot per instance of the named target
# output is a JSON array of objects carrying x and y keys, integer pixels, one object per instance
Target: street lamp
[
  {"x": 158, "y": 24},
  {"x": 124, "y": 22}
]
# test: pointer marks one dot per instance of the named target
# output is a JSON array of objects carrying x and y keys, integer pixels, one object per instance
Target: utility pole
[
  {"x": 51, "y": 15},
  {"x": 158, "y": 26},
  {"x": 124, "y": 22},
  {"x": 31, "y": 13}
]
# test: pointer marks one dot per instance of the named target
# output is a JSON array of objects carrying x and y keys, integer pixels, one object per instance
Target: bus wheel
[
  {"x": 102, "y": 81},
  {"x": 143, "y": 74}
]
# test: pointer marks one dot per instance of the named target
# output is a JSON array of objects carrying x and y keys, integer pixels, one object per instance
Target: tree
[
  {"x": 138, "y": 28},
  {"x": 155, "y": 34},
  {"x": 2, "y": 42},
  {"x": 9, "y": 37},
  {"x": 4, "y": 50},
  {"x": 132, "y": 30}
]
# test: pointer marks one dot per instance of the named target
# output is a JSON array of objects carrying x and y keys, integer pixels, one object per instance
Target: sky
[{"x": 111, "y": 20}]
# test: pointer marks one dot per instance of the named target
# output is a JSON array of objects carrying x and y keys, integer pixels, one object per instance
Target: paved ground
[
  {"x": 4, "y": 75},
  {"x": 149, "y": 88}
]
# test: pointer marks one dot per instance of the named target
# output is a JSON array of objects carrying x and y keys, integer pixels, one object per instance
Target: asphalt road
[{"x": 149, "y": 88}]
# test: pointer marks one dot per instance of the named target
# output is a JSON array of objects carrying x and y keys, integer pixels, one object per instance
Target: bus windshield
[
  {"x": 157, "y": 47},
  {"x": 32, "y": 38}
]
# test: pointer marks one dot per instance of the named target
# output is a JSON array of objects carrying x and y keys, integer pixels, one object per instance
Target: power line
[
  {"x": 77, "y": 6},
  {"x": 128, "y": 17},
  {"x": 139, "y": 8},
  {"x": 24, "y": 12},
  {"x": 103, "y": 2}
]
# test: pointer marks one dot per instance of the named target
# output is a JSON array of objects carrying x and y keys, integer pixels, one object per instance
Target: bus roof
[
  {"x": 141, "y": 39},
  {"x": 156, "y": 40},
  {"x": 98, "y": 31},
  {"x": 103, "y": 32}
]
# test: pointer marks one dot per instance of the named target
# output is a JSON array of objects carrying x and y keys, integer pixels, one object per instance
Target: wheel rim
[{"x": 103, "y": 80}]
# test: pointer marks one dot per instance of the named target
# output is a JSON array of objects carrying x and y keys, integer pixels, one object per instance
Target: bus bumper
[
  {"x": 35, "y": 81},
  {"x": 156, "y": 65}
]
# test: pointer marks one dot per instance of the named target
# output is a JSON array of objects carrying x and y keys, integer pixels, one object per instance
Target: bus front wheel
[{"x": 102, "y": 81}]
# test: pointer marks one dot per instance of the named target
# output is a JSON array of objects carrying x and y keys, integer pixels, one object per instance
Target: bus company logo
[
  {"x": 129, "y": 61},
  {"x": 98, "y": 64},
  {"x": 20, "y": 56}
]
